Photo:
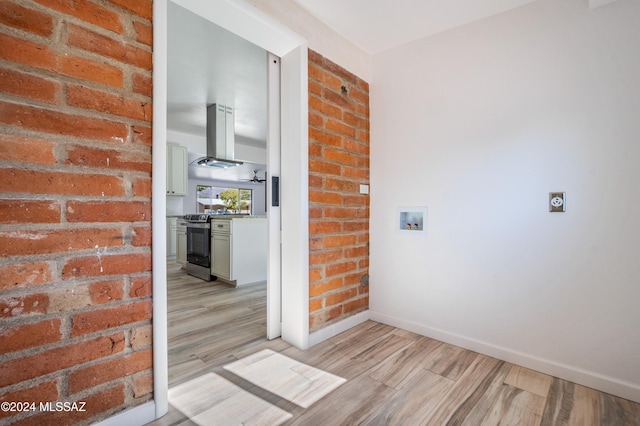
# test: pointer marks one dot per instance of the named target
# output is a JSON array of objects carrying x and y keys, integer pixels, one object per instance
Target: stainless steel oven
[{"x": 199, "y": 246}]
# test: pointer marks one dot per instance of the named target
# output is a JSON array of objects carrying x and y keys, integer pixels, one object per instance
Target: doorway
[{"x": 289, "y": 238}]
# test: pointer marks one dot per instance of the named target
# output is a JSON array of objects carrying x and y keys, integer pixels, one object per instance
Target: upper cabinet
[{"x": 176, "y": 170}]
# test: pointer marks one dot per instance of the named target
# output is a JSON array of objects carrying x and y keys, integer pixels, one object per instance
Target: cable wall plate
[{"x": 557, "y": 202}]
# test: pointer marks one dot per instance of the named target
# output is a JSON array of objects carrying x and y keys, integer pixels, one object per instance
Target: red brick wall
[
  {"x": 75, "y": 212},
  {"x": 338, "y": 213}
]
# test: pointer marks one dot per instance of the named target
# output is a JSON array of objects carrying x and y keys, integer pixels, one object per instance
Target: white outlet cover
[{"x": 364, "y": 189}]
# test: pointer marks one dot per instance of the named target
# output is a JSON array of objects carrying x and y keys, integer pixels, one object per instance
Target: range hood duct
[{"x": 220, "y": 138}]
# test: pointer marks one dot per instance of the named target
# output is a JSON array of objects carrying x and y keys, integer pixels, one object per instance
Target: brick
[
  {"x": 315, "y": 274},
  {"x": 142, "y": 187},
  {"x": 67, "y": 299},
  {"x": 363, "y": 136},
  {"x": 103, "y": 319},
  {"x": 46, "y": 182},
  {"x": 141, "y": 287},
  {"x": 340, "y": 268},
  {"x": 355, "y": 172},
  {"x": 356, "y": 305},
  {"x": 106, "y": 291},
  {"x": 107, "y": 371},
  {"x": 339, "y": 240},
  {"x": 141, "y": 237},
  {"x": 324, "y": 227},
  {"x": 315, "y": 57},
  {"x": 29, "y": 86},
  {"x": 340, "y": 100},
  {"x": 86, "y": 98},
  {"x": 129, "y": 160},
  {"x": 97, "y": 403},
  {"x": 90, "y": 70},
  {"x": 108, "y": 211},
  {"x": 27, "y": 52},
  {"x": 143, "y": 85},
  {"x": 323, "y": 287},
  {"x": 315, "y": 119},
  {"x": 29, "y": 211},
  {"x": 88, "y": 12},
  {"x": 338, "y": 184},
  {"x": 315, "y": 72},
  {"x": 356, "y": 252},
  {"x": 340, "y": 128},
  {"x": 315, "y": 304},
  {"x": 316, "y": 244},
  {"x": 352, "y": 279},
  {"x": 142, "y": 385},
  {"x": 55, "y": 122},
  {"x": 353, "y": 120},
  {"x": 23, "y": 243},
  {"x": 360, "y": 96},
  {"x": 315, "y": 88},
  {"x": 315, "y": 181},
  {"x": 119, "y": 264},
  {"x": 23, "y": 305},
  {"x": 315, "y": 212},
  {"x": 340, "y": 213},
  {"x": 323, "y": 258},
  {"x": 363, "y": 110},
  {"x": 26, "y": 149},
  {"x": 356, "y": 200},
  {"x": 106, "y": 46},
  {"x": 45, "y": 392},
  {"x": 324, "y": 137},
  {"x": 24, "y": 275},
  {"x": 358, "y": 147},
  {"x": 142, "y": 135},
  {"x": 339, "y": 156},
  {"x": 339, "y": 71},
  {"x": 324, "y": 197},
  {"x": 142, "y": 8},
  {"x": 363, "y": 85},
  {"x": 355, "y": 226},
  {"x": 144, "y": 33},
  {"x": 336, "y": 298},
  {"x": 141, "y": 337},
  {"x": 29, "y": 335},
  {"x": 329, "y": 110},
  {"x": 323, "y": 167},
  {"x": 22, "y": 18}
]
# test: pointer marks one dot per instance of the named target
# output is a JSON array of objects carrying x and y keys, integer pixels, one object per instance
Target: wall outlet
[{"x": 557, "y": 202}]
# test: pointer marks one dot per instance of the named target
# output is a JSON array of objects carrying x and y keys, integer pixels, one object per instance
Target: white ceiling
[
  {"x": 376, "y": 25},
  {"x": 207, "y": 64}
]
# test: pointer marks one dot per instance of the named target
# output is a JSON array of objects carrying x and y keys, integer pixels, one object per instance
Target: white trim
[
  {"x": 274, "y": 240},
  {"x": 329, "y": 331},
  {"x": 587, "y": 378},
  {"x": 136, "y": 416},
  {"x": 159, "y": 208}
]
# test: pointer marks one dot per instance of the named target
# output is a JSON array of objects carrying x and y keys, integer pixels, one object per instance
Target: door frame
[{"x": 249, "y": 23}]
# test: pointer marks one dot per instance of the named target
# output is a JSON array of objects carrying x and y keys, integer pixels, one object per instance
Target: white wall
[{"x": 479, "y": 124}]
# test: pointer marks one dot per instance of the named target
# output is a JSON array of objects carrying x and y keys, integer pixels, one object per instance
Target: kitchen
[{"x": 216, "y": 190}]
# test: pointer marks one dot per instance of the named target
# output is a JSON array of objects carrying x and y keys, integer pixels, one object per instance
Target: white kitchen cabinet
[
  {"x": 221, "y": 256},
  {"x": 181, "y": 242},
  {"x": 239, "y": 249},
  {"x": 176, "y": 170},
  {"x": 172, "y": 224}
]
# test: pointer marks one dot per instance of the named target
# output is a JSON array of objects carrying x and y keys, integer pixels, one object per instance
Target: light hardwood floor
[{"x": 393, "y": 376}]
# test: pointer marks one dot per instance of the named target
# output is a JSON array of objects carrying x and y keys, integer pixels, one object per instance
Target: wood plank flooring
[{"x": 394, "y": 377}]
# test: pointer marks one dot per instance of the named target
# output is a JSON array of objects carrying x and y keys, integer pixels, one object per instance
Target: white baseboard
[
  {"x": 136, "y": 416},
  {"x": 587, "y": 378},
  {"x": 337, "y": 328}
]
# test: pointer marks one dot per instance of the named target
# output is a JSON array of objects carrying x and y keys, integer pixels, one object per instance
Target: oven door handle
[{"x": 199, "y": 225}]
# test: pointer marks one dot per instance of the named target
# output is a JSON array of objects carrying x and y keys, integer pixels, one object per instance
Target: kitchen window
[{"x": 217, "y": 200}]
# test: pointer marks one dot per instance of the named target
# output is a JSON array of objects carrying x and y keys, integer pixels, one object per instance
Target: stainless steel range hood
[{"x": 220, "y": 138}]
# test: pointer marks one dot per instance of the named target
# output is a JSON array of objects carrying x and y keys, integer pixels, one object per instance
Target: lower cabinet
[
  {"x": 172, "y": 224},
  {"x": 221, "y": 256}
]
